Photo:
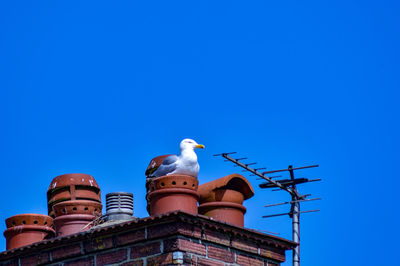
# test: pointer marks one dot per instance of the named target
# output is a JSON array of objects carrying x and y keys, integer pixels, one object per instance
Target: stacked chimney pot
[
  {"x": 75, "y": 201},
  {"x": 72, "y": 187}
]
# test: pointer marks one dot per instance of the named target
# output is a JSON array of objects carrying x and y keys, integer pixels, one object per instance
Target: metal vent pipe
[{"x": 119, "y": 206}]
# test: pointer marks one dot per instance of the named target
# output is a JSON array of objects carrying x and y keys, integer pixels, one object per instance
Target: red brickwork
[
  {"x": 220, "y": 254},
  {"x": 12, "y": 262},
  {"x": 113, "y": 256},
  {"x": 80, "y": 262},
  {"x": 66, "y": 251},
  {"x": 208, "y": 262},
  {"x": 133, "y": 263},
  {"x": 146, "y": 249},
  {"x": 98, "y": 243},
  {"x": 36, "y": 259},
  {"x": 190, "y": 230},
  {"x": 131, "y": 237},
  {"x": 244, "y": 244},
  {"x": 213, "y": 235},
  {"x": 244, "y": 260},
  {"x": 273, "y": 253},
  {"x": 161, "y": 230},
  {"x": 164, "y": 259},
  {"x": 170, "y": 239},
  {"x": 184, "y": 245}
]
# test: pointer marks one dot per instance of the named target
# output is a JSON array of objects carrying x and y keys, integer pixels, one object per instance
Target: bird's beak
[{"x": 199, "y": 146}]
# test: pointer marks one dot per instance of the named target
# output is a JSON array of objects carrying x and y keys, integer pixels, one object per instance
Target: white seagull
[{"x": 184, "y": 164}]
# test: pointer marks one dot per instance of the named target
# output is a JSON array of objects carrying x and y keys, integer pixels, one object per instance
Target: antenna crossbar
[
  {"x": 287, "y": 213},
  {"x": 250, "y": 169},
  {"x": 285, "y": 182},
  {"x": 290, "y": 202},
  {"x": 297, "y": 168}
]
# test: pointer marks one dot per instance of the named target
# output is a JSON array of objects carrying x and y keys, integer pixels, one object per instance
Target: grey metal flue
[{"x": 119, "y": 206}]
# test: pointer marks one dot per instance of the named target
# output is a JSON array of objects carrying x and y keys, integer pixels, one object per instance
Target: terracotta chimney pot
[
  {"x": 74, "y": 216},
  {"x": 26, "y": 229},
  {"x": 222, "y": 198},
  {"x": 74, "y": 201},
  {"x": 72, "y": 223},
  {"x": 171, "y": 193},
  {"x": 77, "y": 207},
  {"x": 72, "y": 187}
]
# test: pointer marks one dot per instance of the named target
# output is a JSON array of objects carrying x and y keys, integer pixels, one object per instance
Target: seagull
[{"x": 184, "y": 164}]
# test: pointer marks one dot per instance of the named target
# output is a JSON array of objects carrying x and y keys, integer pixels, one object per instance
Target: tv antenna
[{"x": 288, "y": 185}]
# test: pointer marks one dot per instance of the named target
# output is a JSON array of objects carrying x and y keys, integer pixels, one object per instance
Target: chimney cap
[
  {"x": 234, "y": 182},
  {"x": 73, "y": 179}
]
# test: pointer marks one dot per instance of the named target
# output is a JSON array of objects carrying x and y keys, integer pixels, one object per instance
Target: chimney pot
[
  {"x": 222, "y": 198},
  {"x": 26, "y": 229},
  {"x": 172, "y": 193}
]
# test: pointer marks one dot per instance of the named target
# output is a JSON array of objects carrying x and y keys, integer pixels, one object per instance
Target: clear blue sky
[{"x": 102, "y": 87}]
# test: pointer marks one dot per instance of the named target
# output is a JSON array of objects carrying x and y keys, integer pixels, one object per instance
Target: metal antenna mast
[{"x": 288, "y": 185}]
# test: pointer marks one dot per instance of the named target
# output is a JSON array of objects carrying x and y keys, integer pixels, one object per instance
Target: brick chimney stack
[{"x": 177, "y": 232}]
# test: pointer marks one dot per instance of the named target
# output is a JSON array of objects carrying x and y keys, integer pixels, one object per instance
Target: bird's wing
[
  {"x": 155, "y": 163},
  {"x": 169, "y": 165}
]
